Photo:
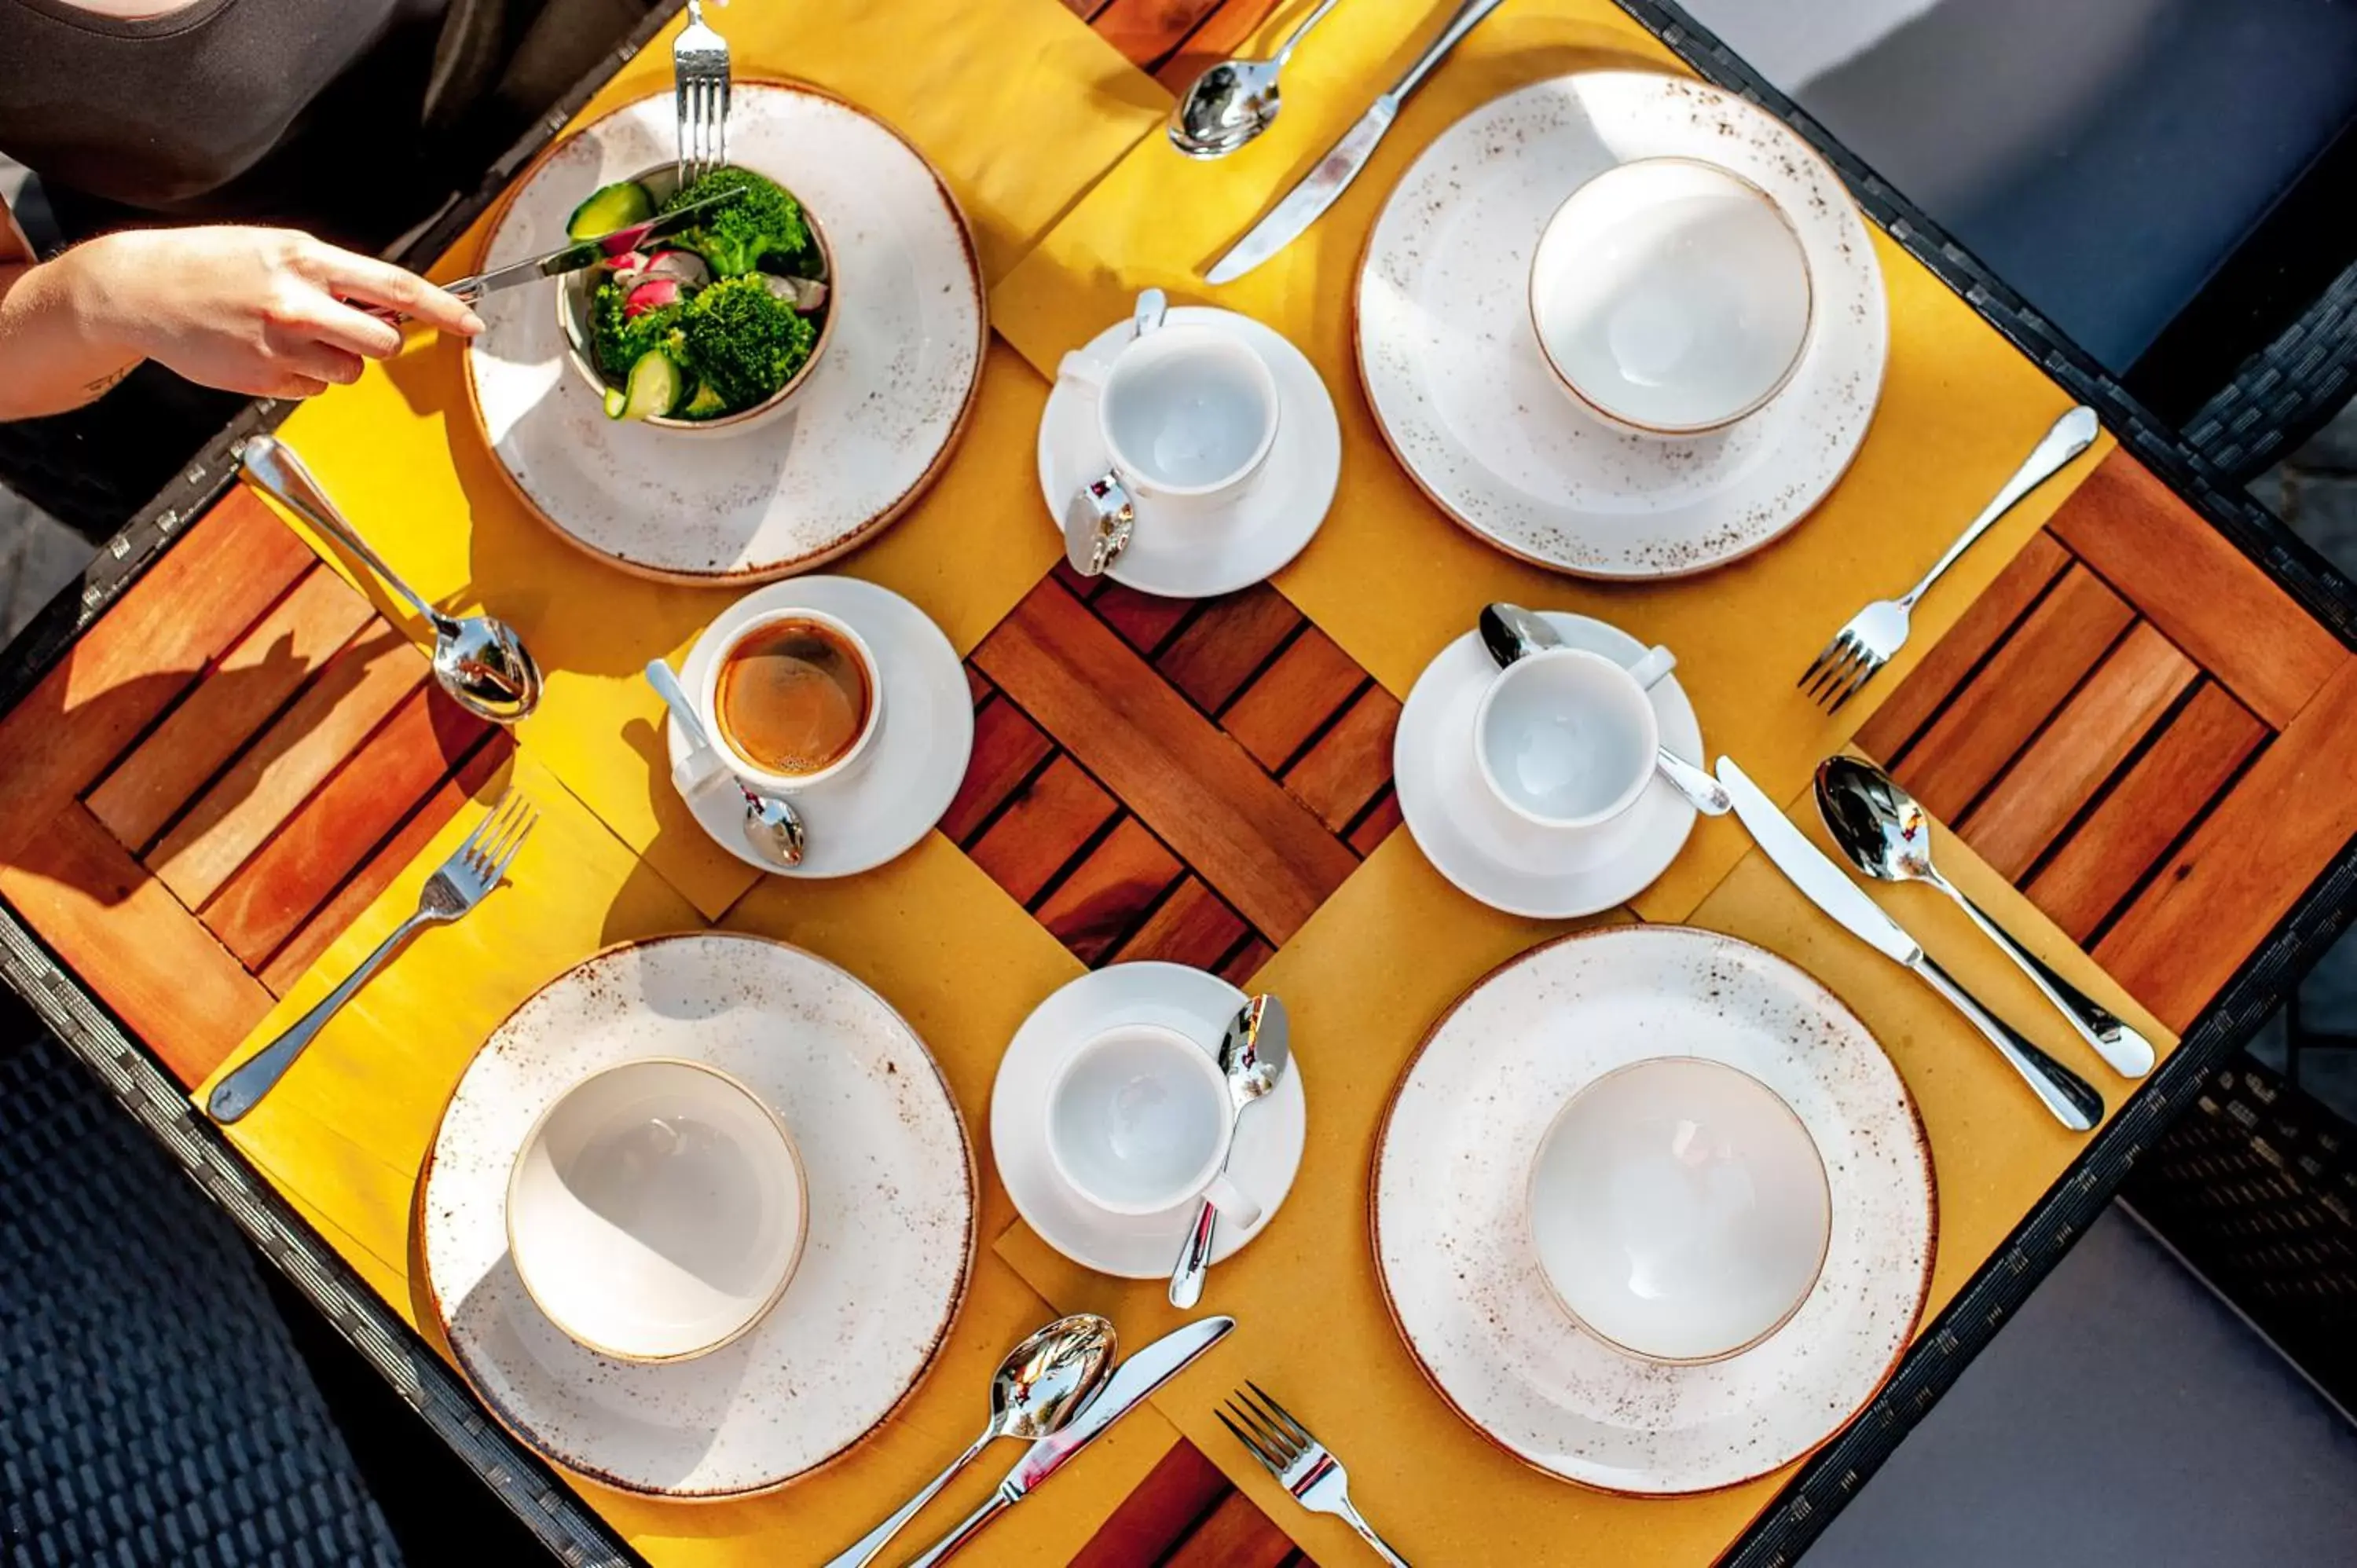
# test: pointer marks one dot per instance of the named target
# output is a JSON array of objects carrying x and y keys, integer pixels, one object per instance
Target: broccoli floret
[
  {"x": 763, "y": 224},
  {"x": 742, "y": 340},
  {"x": 617, "y": 340}
]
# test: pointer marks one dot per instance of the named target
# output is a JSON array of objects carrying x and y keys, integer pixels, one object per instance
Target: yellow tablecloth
[
  {"x": 1391, "y": 580},
  {"x": 1020, "y": 107}
]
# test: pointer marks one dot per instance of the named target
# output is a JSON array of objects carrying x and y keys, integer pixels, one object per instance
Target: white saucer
[
  {"x": 1138, "y": 1247},
  {"x": 1277, "y": 514},
  {"x": 1504, "y": 860},
  {"x": 911, "y": 770}
]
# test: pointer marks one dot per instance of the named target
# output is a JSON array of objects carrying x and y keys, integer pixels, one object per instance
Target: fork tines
[
  {"x": 699, "y": 59},
  {"x": 1276, "y": 1439},
  {"x": 1837, "y": 672},
  {"x": 487, "y": 852}
]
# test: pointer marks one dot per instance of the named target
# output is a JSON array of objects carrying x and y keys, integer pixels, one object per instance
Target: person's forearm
[{"x": 61, "y": 341}]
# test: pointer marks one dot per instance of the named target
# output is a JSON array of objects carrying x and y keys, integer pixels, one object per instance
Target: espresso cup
[
  {"x": 1188, "y": 414},
  {"x": 1670, "y": 296},
  {"x": 792, "y": 701},
  {"x": 1139, "y": 1122},
  {"x": 1565, "y": 738}
]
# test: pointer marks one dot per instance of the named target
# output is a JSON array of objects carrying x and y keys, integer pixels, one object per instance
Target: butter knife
[
  {"x": 1307, "y": 200},
  {"x": 1131, "y": 1382},
  {"x": 572, "y": 258},
  {"x": 2073, "y": 1101}
]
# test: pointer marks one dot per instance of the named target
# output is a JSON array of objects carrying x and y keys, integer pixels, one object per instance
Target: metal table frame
[{"x": 578, "y": 1536}]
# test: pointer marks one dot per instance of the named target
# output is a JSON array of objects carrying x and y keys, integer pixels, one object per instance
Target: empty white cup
[
  {"x": 1139, "y": 1122},
  {"x": 1565, "y": 738},
  {"x": 1670, "y": 296},
  {"x": 1188, "y": 414},
  {"x": 1679, "y": 1209}
]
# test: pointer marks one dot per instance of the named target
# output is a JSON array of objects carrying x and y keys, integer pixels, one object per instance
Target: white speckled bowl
[
  {"x": 655, "y": 1211},
  {"x": 886, "y": 1255},
  {"x": 1462, "y": 393},
  {"x": 573, "y": 292},
  {"x": 1463, "y": 1280},
  {"x": 864, "y": 435}
]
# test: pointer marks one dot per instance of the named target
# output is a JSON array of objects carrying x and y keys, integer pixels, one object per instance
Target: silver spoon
[
  {"x": 772, "y": 826},
  {"x": 1510, "y": 631},
  {"x": 1885, "y": 834},
  {"x": 478, "y": 660},
  {"x": 1253, "y": 1056},
  {"x": 1235, "y": 100},
  {"x": 1041, "y": 1386}
]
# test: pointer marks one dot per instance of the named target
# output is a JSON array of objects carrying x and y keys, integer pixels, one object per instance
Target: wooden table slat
[
  {"x": 2190, "y": 581},
  {"x": 1181, "y": 1489},
  {"x": 2103, "y": 721},
  {"x": 1943, "y": 671},
  {"x": 1045, "y": 825},
  {"x": 1008, "y": 749},
  {"x": 1235, "y": 1534},
  {"x": 1192, "y": 926},
  {"x": 1351, "y": 763},
  {"x": 1308, "y": 684},
  {"x": 2271, "y": 835},
  {"x": 1223, "y": 646},
  {"x": 1106, "y": 897}
]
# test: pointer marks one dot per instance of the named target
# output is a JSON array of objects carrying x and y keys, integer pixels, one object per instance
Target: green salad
[{"x": 718, "y": 318}]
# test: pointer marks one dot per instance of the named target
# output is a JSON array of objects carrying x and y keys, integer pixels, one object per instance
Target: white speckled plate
[
  {"x": 1504, "y": 860},
  {"x": 860, "y": 441},
  {"x": 884, "y": 1266},
  {"x": 1452, "y": 1229},
  {"x": 1459, "y": 386}
]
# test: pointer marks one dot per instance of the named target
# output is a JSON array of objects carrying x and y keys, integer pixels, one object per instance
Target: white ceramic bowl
[
  {"x": 1670, "y": 295},
  {"x": 1680, "y": 1209},
  {"x": 656, "y": 1210},
  {"x": 573, "y": 292}
]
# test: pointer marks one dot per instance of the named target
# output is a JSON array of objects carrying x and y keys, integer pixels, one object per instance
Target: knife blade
[
  {"x": 1136, "y": 1377},
  {"x": 1318, "y": 191},
  {"x": 582, "y": 254},
  {"x": 2073, "y": 1101}
]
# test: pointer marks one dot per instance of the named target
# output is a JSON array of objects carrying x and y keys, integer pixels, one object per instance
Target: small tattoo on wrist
[{"x": 108, "y": 381}]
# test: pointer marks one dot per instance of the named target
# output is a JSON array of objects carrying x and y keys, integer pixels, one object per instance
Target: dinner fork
[
  {"x": 1877, "y": 632},
  {"x": 1299, "y": 1462},
  {"x": 464, "y": 880},
  {"x": 699, "y": 61}
]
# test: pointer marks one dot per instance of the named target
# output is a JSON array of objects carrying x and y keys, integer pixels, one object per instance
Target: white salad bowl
[
  {"x": 1680, "y": 1209},
  {"x": 574, "y": 289},
  {"x": 656, "y": 1210}
]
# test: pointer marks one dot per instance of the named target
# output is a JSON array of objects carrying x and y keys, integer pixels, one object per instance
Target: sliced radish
[
  {"x": 685, "y": 266},
  {"x": 805, "y": 294},
  {"x": 652, "y": 293}
]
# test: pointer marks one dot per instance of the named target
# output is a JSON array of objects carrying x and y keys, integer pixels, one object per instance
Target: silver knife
[
  {"x": 2073, "y": 1101},
  {"x": 1308, "y": 201},
  {"x": 1135, "y": 1378},
  {"x": 571, "y": 258}
]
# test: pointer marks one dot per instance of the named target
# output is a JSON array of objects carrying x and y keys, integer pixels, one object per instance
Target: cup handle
[
  {"x": 1650, "y": 670},
  {"x": 1079, "y": 368},
  {"x": 1223, "y": 1195}
]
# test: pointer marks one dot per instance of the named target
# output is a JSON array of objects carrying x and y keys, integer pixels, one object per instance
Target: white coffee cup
[
  {"x": 1670, "y": 296},
  {"x": 1188, "y": 414},
  {"x": 1139, "y": 1122},
  {"x": 1565, "y": 738},
  {"x": 701, "y": 767}
]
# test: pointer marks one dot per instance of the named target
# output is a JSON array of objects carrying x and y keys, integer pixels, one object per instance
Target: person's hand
[{"x": 267, "y": 312}]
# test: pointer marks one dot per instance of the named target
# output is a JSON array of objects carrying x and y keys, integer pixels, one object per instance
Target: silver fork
[
  {"x": 464, "y": 880},
  {"x": 1299, "y": 1461},
  {"x": 1879, "y": 630},
  {"x": 699, "y": 59}
]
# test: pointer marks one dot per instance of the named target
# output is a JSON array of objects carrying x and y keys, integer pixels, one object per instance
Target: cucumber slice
[
  {"x": 656, "y": 386},
  {"x": 705, "y": 405},
  {"x": 616, "y": 401},
  {"x": 610, "y": 207}
]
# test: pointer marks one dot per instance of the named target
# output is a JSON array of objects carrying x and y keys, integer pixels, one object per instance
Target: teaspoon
[
  {"x": 1253, "y": 1057},
  {"x": 1510, "y": 631},
  {"x": 1043, "y": 1384},
  {"x": 772, "y": 826},
  {"x": 478, "y": 660},
  {"x": 1235, "y": 100},
  {"x": 1885, "y": 834}
]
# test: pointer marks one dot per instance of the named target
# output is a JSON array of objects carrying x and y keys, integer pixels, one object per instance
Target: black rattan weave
[{"x": 2284, "y": 394}]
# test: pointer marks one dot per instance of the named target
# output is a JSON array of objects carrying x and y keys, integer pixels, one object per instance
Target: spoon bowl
[
  {"x": 1233, "y": 102},
  {"x": 1881, "y": 830}
]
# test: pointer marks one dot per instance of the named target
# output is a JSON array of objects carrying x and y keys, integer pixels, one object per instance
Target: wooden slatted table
[{"x": 2137, "y": 725}]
